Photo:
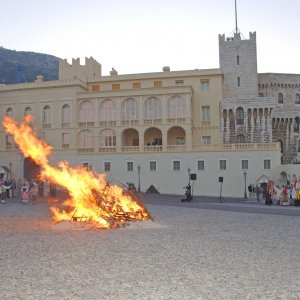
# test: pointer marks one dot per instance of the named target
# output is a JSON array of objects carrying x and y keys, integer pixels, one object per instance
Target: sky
[{"x": 139, "y": 36}]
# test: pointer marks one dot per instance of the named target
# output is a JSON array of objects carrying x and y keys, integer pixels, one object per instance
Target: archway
[{"x": 31, "y": 169}]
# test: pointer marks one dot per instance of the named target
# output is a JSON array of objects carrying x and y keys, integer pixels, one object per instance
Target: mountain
[{"x": 32, "y": 64}]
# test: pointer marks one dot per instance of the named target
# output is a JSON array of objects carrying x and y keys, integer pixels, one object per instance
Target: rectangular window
[
  {"x": 9, "y": 140},
  {"x": 66, "y": 138},
  {"x": 204, "y": 84},
  {"x": 179, "y": 140},
  {"x": 152, "y": 166},
  {"x": 136, "y": 85},
  {"x": 179, "y": 82},
  {"x": 201, "y": 165},
  {"x": 206, "y": 140},
  {"x": 157, "y": 83},
  {"x": 95, "y": 87},
  {"x": 130, "y": 166},
  {"x": 205, "y": 115},
  {"x": 176, "y": 165},
  {"x": 245, "y": 164},
  {"x": 267, "y": 164},
  {"x": 238, "y": 60},
  {"x": 239, "y": 81},
  {"x": 116, "y": 86},
  {"x": 222, "y": 164},
  {"x": 107, "y": 166}
]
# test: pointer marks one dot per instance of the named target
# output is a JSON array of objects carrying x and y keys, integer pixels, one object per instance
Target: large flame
[{"x": 91, "y": 197}]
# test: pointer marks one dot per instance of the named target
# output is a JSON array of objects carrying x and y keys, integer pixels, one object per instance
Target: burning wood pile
[{"x": 92, "y": 199}]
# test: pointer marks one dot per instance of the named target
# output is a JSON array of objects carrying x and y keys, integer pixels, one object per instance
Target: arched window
[
  {"x": 240, "y": 139},
  {"x": 280, "y": 98},
  {"x": 176, "y": 107},
  {"x": 130, "y": 109},
  {"x": 66, "y": 114},
  {"x": 86, "y": 112},
  {"x": 27, "y": 111},
  {"x": 108, "y": 111},
  {"x": 86, "y": 139},
  {"x": 297, "y": 99},
  {"x": 240, "y": 116},
  {"x": 107, "y": 138},
  {"x": 260, "y": 94},
  {"x": 47, "y": 115},
  {"x": 152, "y": 108},
  {"x": 296, "y": 125},
  {"x": 10, "y": 113}
]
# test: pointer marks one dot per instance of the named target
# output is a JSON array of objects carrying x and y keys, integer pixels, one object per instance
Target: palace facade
[{"x": 150, "y": 128}]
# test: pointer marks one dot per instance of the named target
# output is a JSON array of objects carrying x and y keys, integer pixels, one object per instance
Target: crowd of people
[
  {"x": 286, "y": 195},
  {"x": 23, "y": 189}
]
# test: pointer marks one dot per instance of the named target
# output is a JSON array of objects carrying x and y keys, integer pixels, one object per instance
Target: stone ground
[{"x": 197, "y": 254}]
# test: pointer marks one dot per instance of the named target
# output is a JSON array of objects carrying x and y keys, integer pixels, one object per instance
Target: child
[
  {"x": 33, "y": 192},
  {"x": 25, "y": 197},
  {"x": 3, "y": 194}
]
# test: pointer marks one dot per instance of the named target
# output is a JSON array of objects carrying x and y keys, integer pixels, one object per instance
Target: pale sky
[{"x": 138, "y": 36}]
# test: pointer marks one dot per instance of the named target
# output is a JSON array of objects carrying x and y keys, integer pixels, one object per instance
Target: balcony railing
[
  {"x": 130, "y": 149},
  {"x": 108, "y": 149},
  {"x": 235, "y": 147},
  {"x": 65, "y": 125},
  {"x": 152, "y": 121},
  {"x": 175, "y": 120},
  {"x": 86, "y": 124},
  {"x": 86, "y": 150},
  {"x": 176, "y": 147},
  {"x": 152, "y": 148}
]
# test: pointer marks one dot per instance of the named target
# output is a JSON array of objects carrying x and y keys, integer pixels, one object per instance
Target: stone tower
[{"x": 238, "y": 61}]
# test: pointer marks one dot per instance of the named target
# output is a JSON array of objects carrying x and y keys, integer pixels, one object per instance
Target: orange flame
[{"x": 92, "y": 198}]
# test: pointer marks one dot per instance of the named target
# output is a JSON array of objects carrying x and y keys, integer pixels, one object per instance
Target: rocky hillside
[{"x": 32, "y": 64}]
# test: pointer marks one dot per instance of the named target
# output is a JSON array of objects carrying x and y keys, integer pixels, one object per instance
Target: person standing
[
  {"x": 34, "y": 192},
  {"x": 257, "y": 192},
  {"x": 3, "y": 194},
  {"x": 7, "y": 187},
  {"x": 18, "y": 186},
  {"x": 13, "y": 186},
  {"x": 250, "y": 191}
]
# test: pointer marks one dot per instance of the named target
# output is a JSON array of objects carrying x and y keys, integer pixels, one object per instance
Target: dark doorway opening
[{"x": 31, "y": 170}]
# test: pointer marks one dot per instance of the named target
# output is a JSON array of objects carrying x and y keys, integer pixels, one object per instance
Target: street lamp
[
  {"x": 245, "y": 176},
  {"x": 139, "y": 173},
  {"x": 189, "y": 173},
  {"x": 10, "y": 164}
]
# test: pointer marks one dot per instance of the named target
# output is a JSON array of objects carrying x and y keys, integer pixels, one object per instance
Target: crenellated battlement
[{"x": 92, "y": 68}]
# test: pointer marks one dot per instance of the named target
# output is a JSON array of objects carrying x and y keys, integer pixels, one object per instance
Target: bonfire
[{"x": 92, "y": 199}]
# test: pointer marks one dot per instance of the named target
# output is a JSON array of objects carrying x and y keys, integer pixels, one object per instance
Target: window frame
[
  {"x": 242, "y": 159},
  {"x": 152, "y": 110},
  {"x": 150, "y": 162},
  {"x": 206, "y": 138},
  {"x": 205, "y": 85},
  {"x": 263, "y": 163},
  {"x": 204, "y": 164},
  {"x": 280, "y": 98},
  {"x": 105, "y": 163},
  {"x": 129, "y": 163},
  {"x": 176, "y": 107},
  {"x": 219, "y": 163},
  {"x": 176, "y": 160}
]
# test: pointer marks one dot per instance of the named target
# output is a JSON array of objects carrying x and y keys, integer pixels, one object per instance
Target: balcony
[
  {"x": 152, "y": 148},
  {"x": 65, "y": 125},
  {"x": 86, "y": 124},
  {"x": 130, "y": 149},
  {"x": 107, "y": 149},
  {"x": 86, "y": 150}
]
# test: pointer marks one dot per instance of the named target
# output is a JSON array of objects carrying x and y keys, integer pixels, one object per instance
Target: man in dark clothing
[
  {"x": 250, "y": 191},
  {"x": 7, "y": 185}
]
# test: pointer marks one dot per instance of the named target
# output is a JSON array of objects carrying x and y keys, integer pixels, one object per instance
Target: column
[
  {"x": 118, "y": 107},
  {"x": 141, "y": 142},
  {"x": 164, "y": 110},
  {"x": 188, "y": 107},
  {"x": 164, "y": 142},
  {"x": 141, "y": 114},
  {"x": 97, "y": 121},
  {"x": 188, "y": 141}
]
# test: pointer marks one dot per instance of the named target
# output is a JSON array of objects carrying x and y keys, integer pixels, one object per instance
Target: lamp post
[
  {"x": 10, "y": 164},
  {"x": 139, "y": 173},
  {"x": 245, "y": 176},
  {"x": 189, "y": 173}
]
